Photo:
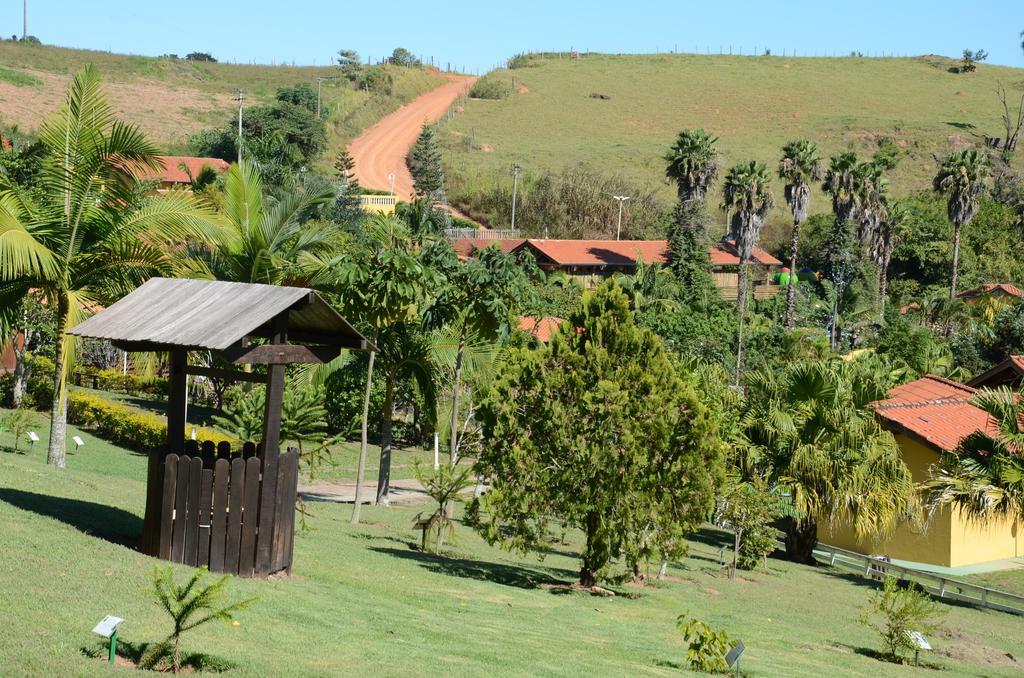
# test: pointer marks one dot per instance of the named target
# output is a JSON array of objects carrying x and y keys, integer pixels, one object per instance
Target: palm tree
[
  {"x": 890, "y": 229},
  {"x": 265, "y": 243},
  {"x": 799, "y": 167},
  {"x": 840, "y": 184},
  {"x": 748, "y": 199},
  {"x": 807, "y": 429},
  {"x": 984, "y": 478},
  {"x": 961, "y": 177},
  {"x": 692, "y": 164},
  {"x": 93, "y": 233}
]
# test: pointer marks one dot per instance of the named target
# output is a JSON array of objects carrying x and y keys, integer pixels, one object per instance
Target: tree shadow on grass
[
  {"x": 499, "y": 573},
  {"x": 861, "y": 580},
  {"x": 132, "y": 654},
  {"x": 882, "y": 657},
  {"x": 96, "y": 520}
]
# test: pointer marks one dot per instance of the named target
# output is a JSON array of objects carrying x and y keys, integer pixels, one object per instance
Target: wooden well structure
[{"x": 232, "y": 510}]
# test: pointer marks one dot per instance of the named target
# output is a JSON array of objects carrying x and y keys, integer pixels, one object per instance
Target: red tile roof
[
  {"x": 1010, "y": 372},
  {"x": 992, "y": 288},
  {"x": 464, "y": 247},
  {"x": 541, "y": 328},
  {"x": 173, "y": 172},
  {"x": 628, "y": 252},
  {"x": 936, "y": 410}
]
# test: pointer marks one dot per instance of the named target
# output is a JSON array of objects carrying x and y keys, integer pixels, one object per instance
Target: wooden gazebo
[{"x": 231, "y": 510}]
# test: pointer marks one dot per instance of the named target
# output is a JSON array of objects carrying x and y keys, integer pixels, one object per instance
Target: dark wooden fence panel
[
  {"x": 237, "y": 491},
  {"x": 195, "y": 479},
  {"x": 205, "y": 522},
  {"x": 232, "y": 517},
  {"x": 223, "y": 450},
  {"x": 180, "y": 511},
  {"x": 170, "y": 481}
]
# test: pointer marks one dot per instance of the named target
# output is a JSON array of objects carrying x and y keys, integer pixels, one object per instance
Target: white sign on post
[
  {"x": 107, "y": 626},
  {"x": 33, "y": 436},
  {"x": 78, "y": 441},
  {"x": 918, "y": 639}
]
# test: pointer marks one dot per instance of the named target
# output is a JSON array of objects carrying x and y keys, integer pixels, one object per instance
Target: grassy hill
[
  {"x": 362, "y": 602},
  {"x": 171, "y": 99},
  {"x": 754, "y": 104}
]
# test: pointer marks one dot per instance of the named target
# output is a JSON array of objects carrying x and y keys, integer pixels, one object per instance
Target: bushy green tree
[
  {"x": 424, "y": 162},
  {"x": 799, "y": 168},
  {"x": 749, "y": 508},
  {"x": 403, "y": 57},
  {"x": 600, "y": 432},
  {"x": 894, "y": 612}
]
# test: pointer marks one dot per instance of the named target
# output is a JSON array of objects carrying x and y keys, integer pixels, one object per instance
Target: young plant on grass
[
  {"x": 893, "y": 613},
  {"x": 443, "y": 485},
  {"x": 17, "y": 422},
  {"x": 706, "y": 647},
  {"x": 189, "y": 606}
]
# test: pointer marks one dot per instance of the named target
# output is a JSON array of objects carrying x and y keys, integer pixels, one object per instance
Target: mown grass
[
  {"x": 362, "y": 602},
  {"x": 753, "y": 104}
]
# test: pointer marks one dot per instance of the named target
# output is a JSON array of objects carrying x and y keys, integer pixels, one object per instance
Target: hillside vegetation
[
  {"x": 171, "y": 99},
  {"x": 754, "y": 104}
]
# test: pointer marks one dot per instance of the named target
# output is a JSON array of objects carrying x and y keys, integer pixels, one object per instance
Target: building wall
[{"x": 949, "y": 539}]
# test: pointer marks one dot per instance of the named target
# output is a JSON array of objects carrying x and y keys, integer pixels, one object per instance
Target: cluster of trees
[{"x": 656, "y": 405}]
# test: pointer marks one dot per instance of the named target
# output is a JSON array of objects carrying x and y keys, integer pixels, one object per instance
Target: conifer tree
[{"x": 424, "y": 162}]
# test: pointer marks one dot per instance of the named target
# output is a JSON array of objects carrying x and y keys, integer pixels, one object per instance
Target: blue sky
[{"x": 477, "y": 35}]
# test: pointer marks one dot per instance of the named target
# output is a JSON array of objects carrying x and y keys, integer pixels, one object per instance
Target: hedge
[{"x": 124, "y": 426}]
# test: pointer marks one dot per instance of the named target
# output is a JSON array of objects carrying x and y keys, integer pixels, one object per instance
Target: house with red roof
[
  {"x": 591, "y": 261},
  {"x": 1006, "y": 291},
  {"x": 178, "y": 171},
  {"x": 1009, "y": 373},
  {"x": 540, "y": 328},
  {"x": 929, "y": 417}
]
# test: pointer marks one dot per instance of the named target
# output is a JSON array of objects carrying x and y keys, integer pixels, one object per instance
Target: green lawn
[
  {"x": 1011, "y": 581},
  {"x": 753, "y": 104},
  {"x": 362, "y": 602}
]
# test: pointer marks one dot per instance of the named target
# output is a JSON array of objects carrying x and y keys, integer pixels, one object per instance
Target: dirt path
[{"x": 381, "y": 149}]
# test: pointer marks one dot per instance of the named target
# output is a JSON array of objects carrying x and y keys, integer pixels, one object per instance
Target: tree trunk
[
  {"x": 883, "y": 283},
  {"x": 736, "y": 540},
  {"x": 22, "y": 372},
  {"x": 801, "y": 538},
  {"x": 741, "y": 304},
  {"x": 384, "y": 474},
  {"x": 57, "y": 451},
  {"x": 956, "y": 260},
  {"x": 594, "y": 552},
  {"x": 363, "y": 443},
  {"x": 454, "y": 434},
  {"x": 791, "y": 288}
]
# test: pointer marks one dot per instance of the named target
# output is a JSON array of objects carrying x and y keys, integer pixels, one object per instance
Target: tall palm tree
[
  {"x": 984, "y": 478},
  {"x": 748, "y": 199},
  {"x": 840, "y": 184},
  {"x": 961, "y": 177},
  {"x": 265, "y": 243},
  {"x": 95, "y": 233},
  {"x": 890, "y": 229},
  {"x": 692, "y": 164},
  {"x": 806, "y": 428},
  {"x": 799, "y": 167}
]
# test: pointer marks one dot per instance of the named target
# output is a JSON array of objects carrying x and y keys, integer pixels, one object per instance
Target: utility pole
[
  {"x": 621, "y": 199},
  {"x": 515, "y": 186},
  {"x": 241, "y": 98},
  {"x": 391, "y": 178},
  {"x": 24, "y": 20},
  {"x": 319, "y": 79}
]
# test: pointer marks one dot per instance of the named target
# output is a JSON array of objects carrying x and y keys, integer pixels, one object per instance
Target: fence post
[{"x": 942, "y": 588}]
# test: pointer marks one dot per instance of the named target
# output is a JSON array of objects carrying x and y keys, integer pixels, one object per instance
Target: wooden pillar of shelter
[
  {"x": 271, "y": 447},
  {"x": 175, "y": 445}
]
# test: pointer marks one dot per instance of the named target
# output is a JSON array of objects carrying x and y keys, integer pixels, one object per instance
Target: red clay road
[{"x": 381, "y": 149}]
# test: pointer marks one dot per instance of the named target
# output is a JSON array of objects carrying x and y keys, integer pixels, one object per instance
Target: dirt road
[{"x": 381, "y": 149}]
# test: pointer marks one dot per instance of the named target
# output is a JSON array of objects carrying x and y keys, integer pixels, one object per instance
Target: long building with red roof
[{"x": 929, "y": 417}]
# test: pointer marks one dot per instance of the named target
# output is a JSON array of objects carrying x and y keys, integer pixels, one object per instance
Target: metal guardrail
[{"x": 938, "y": 585}]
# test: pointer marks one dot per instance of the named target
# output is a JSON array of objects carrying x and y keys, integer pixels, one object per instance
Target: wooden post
[
  {"x": 275, "y": 392},
  {"x": 176, "y": 403}
]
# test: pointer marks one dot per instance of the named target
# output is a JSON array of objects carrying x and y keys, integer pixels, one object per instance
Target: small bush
[
  {"x": 490, "y": 88},
  {"x": 706, "y": 647},
  {"x": 121, "y": 425},
  {"x": 893, "y": 612}
]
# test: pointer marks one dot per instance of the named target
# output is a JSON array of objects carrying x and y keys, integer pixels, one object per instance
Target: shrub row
[
  {"x": 114, "y": 380},
  {"x": 490, "y": 88},
  {"x": 121, "y": 425}
]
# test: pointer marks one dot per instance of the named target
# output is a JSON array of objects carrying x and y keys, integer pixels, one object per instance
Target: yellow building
[
  {"x": 378, "y": 204},
  {"x": 929, "y": 417}
]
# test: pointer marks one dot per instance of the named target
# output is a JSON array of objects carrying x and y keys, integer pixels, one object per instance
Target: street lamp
[
  {"x": 619, "y": 199},
  {"x": 391, "y": 178},
  {"x": 515, "y": 186}
]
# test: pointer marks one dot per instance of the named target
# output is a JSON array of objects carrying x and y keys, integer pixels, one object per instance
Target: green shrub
[
  {"x": 490, "y": 88},
  {"x": 121, "y": 425},
  {"x": 706, "y": 647},
  {"x": 893, "y": 612}
]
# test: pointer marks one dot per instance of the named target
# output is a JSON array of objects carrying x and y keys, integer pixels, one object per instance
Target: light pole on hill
[
  {"x": 621, "y": 199},
  {"x": 515, "y": 186},
  {"x": 319, "y": 81},
  {"x": 391, "y": 178},
  {"x": 241, "y": 98}
]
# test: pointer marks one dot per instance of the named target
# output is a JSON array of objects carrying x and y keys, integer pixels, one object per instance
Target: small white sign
[
  {"x": 918, "y": 640},
  {"x": 107, "y": 626},
  {"x": 33, "y": 436},
  {"x": 78, "y": 441}
]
